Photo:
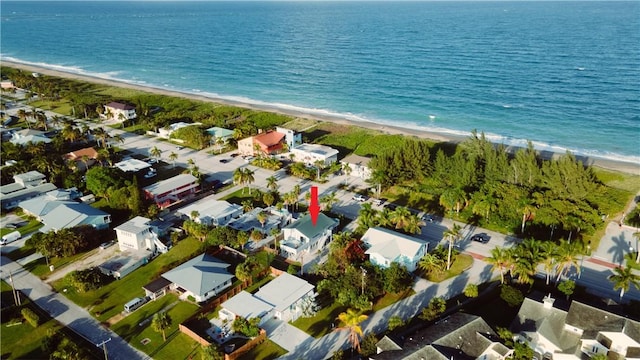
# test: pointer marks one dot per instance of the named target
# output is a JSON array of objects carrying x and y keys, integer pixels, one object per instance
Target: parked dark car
[
  {"x": 482, "y": 238},
  {"x": 224, "y": 161}
]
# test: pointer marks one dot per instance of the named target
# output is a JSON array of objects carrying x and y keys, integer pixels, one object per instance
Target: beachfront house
[
  {"x": 385, "y": 246},
  {"x": 220, "y": 134},
  {"x": 167, "y": 192},
  {"x": 304, "y": 237},
  {"x": 310, "y": 153},
  {"x": 166, "y": 131},
  {"x": 291, "y": 138},
  {"x": 200, "y": 278},
  {"x": 266, "y": 143},
  {"x": 358, "y": 165},
  {"x": 209, "y": 211},
  {"x": 286, "y": 298},
  {"x": 119, "y": 111}
]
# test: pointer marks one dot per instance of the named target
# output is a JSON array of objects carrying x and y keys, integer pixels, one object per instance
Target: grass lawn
[
  {"x": 237, "y": 197},
  {"x": 320, "y": 324},
  {"x": 110, "y": 299},
  {"x": 266, "y": 351},
  {"x": 29, "y": 227},
  {"x": 391, "y": 298},
  {"x": 461, "y": 262},
  {"x": 23, "y": 341},
  {"x": 137, "y": 326},
  {"x": 41, "y": 269}
]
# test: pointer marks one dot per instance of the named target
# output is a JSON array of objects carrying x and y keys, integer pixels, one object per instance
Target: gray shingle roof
[
  {"x": 200, "y": 275},
  {"x": 592, "y": 320},
  {"x": 463, "y": 335}
]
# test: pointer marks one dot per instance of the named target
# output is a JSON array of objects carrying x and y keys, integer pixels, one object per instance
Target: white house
[
  {"x": 291, "y": 138},
  {"x": 137, "y": 234},
  {"x": 387, "y": 246},
  {"x": 359, "y": 166},
  {"x": 211, "y": 211},
  {"x": 166, "y": 132},
  {"x": 113, "y": 110},
  {"x": 581, "y": 332},
  {"x": 131, "y": 165},
  {"x": 286, "y": 298},
  {"x": 303, "y": 236},
  {"x": 202, "y": 278},
  {"x": 310, "y": 153},
  {"x": 25, "y": 136}
]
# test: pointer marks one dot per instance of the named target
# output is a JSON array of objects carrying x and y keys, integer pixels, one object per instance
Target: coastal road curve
[{"x": 66, "y": 312}]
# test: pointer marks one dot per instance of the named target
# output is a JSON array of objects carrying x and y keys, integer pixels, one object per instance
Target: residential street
[
  {"x": 66, "y": 312},
  {"x": 615, "y": 244}
]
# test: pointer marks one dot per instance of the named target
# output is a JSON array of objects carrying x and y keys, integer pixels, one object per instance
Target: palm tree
[
  {"x": 160, "y": 323},
  {"x": 262, "y": 218},
  {"x": 272, "y": 183},
  {"x": 623, "y": 279},
  {"x": 155, "y": 152},
  {"x": 70, "y": 134},
  {"x": 400, "y": 217},
  {"x": 567, "y": 257},
  {"x": 249, "y": 179},
  {"x": 453, "y": 199},
  {"x": 239, "y": 177},
  {"x": 346, "y": 168},
  {"x": 500, "y": 260},
  {"x": 122, "y": 118},
  {"x": 101, "y": 136},
  {"x": 549, "y": 260},
  {"x": 431, "y": 263},
  {"x": 453, "y": 234},
  {"x": 329, "y": 200},
  {"x": 319, "y": 166},
  {"x": 173, "y": 157},
  {"x": 378, "y": 178},
  {"x": 351, "y": 320},
  {"x": 118, "y": 138},
  {"x": 413, "y": 225},
  {"x": 247, "y": 205},
  {"x": 367, "y": 216}
]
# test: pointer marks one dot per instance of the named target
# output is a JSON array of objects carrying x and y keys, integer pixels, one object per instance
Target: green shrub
[
  {"x": 512, "y": 296},
  {"x": 31, "y": 317}
]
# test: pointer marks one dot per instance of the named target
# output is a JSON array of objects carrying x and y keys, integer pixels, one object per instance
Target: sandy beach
[{"x": 631, "y": 168}]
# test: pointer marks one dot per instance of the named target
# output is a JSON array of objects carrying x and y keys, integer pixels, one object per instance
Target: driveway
[
  {"x": 286, "y": 335},
  {"x": 66, "y": 312}
]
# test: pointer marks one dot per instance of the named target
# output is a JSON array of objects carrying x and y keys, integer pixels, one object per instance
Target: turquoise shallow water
[{"x": 565, "y": 75}]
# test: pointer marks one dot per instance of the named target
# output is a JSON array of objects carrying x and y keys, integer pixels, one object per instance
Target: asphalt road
[{"x": 66, "y": 312}]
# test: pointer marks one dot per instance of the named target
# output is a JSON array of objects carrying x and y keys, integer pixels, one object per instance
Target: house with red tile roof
[
  {"x": 77, "y": 156},
  {"x": 268, "y": 143}
]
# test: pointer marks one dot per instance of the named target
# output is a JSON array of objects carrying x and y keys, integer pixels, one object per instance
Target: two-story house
[
  {"x": 302, "y": 236},
  {"x": 172, "y": 190}
]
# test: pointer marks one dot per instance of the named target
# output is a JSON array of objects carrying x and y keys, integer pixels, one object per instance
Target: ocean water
[{"x": 565, "y": 75}]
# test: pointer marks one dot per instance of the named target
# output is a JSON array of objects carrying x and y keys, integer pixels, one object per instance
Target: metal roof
[{"x": 200, "y": 275}]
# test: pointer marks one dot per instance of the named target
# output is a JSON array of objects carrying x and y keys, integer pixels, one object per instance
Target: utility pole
[
  {"x": 364, "y": 275},
  {"x": 104, "y": 347},
  {"x": 16, "y": 294}
]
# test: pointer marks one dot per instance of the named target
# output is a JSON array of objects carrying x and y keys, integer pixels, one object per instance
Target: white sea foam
[{"x": 329, "y": 114}]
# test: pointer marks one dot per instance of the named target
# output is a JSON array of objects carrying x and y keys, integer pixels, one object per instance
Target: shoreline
[{"x": 609, "y": 164}]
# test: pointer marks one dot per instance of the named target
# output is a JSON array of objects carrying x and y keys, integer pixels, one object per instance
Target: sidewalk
[
  {"x": 407, "y": 308},
  {"x": 66, "y": 312}
]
